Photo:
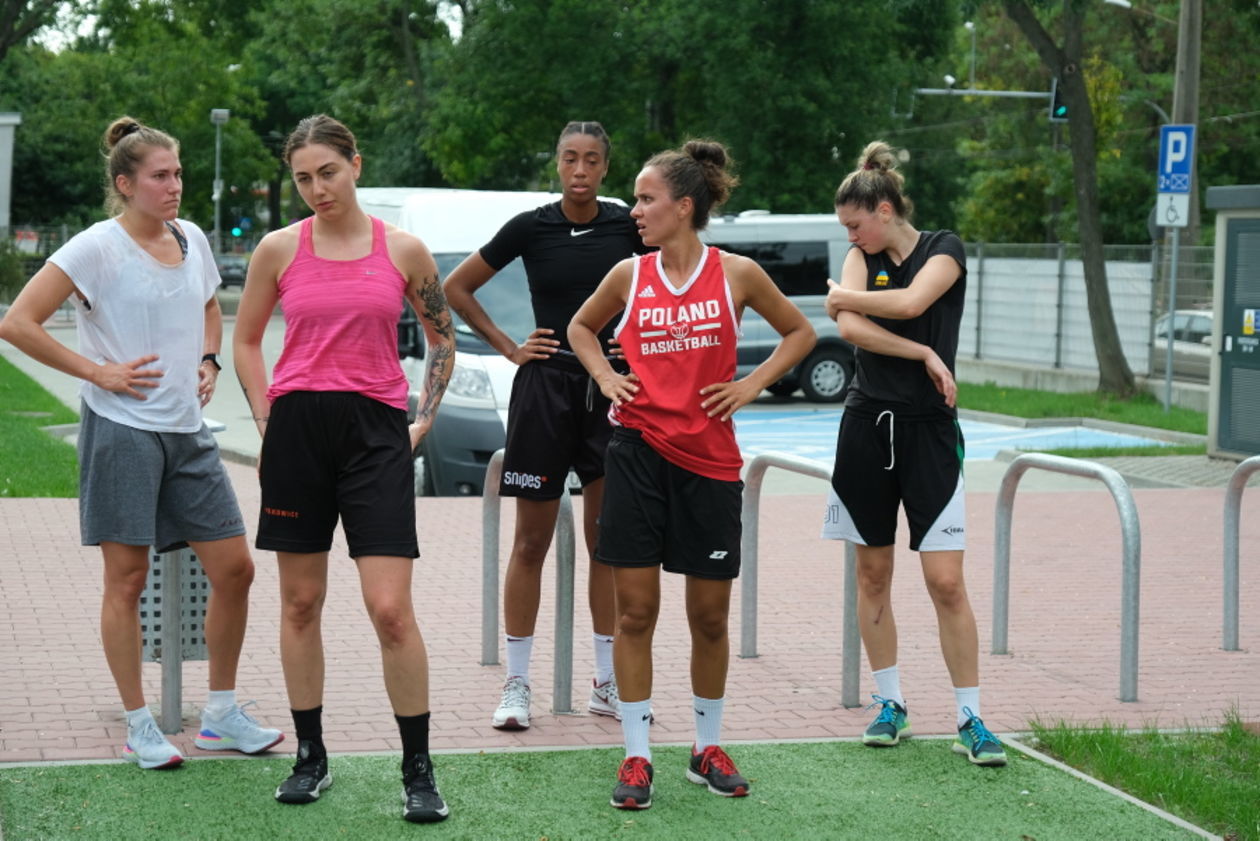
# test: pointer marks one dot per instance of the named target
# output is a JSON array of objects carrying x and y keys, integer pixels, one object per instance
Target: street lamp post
[
  {"x": 218, "y": 116},
  {"x": 971, "y": 27}
]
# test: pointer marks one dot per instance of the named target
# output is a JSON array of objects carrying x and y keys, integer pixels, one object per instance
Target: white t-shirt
[{"x": 138, "y": 306}]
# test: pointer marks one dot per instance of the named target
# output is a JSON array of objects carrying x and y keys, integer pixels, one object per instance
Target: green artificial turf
[
  {"x": 919, "y": 790},
  {"x": 32, "y": 462}
]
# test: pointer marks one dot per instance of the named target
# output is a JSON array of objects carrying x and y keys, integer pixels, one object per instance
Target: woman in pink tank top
[
  {"x": 672, "y": 491},
  {"x": 336, "y": 442}
]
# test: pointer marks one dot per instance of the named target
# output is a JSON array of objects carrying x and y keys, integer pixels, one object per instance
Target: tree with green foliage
[
  {"x": 20, "y": 19},
  {"x": 1067, "y": 63},
  {"x": 794, "y": 89}
]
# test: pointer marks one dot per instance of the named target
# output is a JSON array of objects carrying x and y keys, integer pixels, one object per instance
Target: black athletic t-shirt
[
  {"x": 565, "y": 261},
  {"x": 902, "y": 385}
]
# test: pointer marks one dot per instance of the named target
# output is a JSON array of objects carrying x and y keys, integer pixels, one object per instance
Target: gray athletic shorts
[{"x": 159, "y": 489}]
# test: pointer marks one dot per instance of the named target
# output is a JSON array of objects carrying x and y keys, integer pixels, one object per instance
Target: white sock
[
  {"x": 969, "y": 698},
  {"x": 888, "y": 681},
  {"x": 519, "y": 650},
  {"x": 136, "y": 718},
  {"x": 636, "y": 719},
  {"x": 220, "y": 701},
  {"x": 603, "y": 658},
  {"x": 708, "y": 715}
]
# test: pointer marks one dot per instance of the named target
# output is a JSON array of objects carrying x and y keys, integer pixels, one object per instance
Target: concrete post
[{"x": 9, "y": 121}]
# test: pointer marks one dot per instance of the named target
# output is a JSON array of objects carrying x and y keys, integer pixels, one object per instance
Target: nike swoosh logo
[{"x": 574, "y": 232}]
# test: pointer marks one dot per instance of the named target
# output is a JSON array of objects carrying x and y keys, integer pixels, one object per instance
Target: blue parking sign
[{"x": 1176, "y": 158}]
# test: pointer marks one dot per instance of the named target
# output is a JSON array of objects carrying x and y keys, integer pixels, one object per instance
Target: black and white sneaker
[
  {"x": 634, "y": 784},
  {"x": 310, "y": 776},
  {"x": 422, "y": 803}
]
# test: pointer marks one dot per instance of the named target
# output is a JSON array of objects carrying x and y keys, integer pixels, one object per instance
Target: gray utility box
[
  {"x": 1234, "y": 398},
  {"x": 172, "y": 624}
]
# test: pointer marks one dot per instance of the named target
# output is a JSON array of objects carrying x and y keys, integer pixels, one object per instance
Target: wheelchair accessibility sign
[{"x": 1172, "y": 178}]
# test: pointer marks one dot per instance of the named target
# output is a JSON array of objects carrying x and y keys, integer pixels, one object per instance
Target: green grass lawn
[
  {"x": 1140, "y": 410},
  {"x": 920, "y": 790},
  {"x": 32, "y": 462},
  {"x": 1207, "y": 777}
]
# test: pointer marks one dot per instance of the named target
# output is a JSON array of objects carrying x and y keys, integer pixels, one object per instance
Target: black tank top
[{"x": 902, "y": 385}]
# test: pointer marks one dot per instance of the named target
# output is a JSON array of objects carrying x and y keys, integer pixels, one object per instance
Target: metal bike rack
[
  {"x": 754, "y": 472},
  {"x": 1132, "y": 565},
  {"x": 562, "y": 675},
  {"x": 1233, "y": 511}
]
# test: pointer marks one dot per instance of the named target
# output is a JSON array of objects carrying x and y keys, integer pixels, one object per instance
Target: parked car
[
  {"x": 232, "y": 269},
  {"x": 1192, "y": 345},
  {"x": 799, "y": 252}
]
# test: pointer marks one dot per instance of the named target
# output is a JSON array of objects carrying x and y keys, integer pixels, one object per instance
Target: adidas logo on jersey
[{"x": 648, "y": 292}]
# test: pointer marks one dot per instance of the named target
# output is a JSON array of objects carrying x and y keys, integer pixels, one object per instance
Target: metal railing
[
  {"x": 754, "y": 472},
  {"x": 562, "y": 675},
  {"x": 1233, "y": 510},
  {"x": 1132, "y": 564}
]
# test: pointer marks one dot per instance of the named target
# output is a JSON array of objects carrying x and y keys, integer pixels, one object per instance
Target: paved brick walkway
[{"x": 57, "y": 700}]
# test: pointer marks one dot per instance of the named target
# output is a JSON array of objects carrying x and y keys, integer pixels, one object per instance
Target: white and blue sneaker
[
  {"x": 148, "y": 748},
  {"x": 235, "y": 730}
]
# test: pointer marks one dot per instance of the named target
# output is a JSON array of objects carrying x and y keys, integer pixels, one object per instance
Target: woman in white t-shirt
[{"x": 142, "y": 284}]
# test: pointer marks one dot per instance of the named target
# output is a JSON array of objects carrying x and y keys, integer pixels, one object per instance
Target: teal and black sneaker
[
  {"x": 975, "y": 740},
  {"x": 889, "y": 727}
]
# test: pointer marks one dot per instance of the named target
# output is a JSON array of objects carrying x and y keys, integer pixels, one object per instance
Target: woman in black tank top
[{"x": 900, "y": 303}]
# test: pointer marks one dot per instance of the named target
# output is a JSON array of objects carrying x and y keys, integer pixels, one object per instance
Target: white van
[
  {"x": 471, "y": 423},
  {"x": 799, "y": 252}
]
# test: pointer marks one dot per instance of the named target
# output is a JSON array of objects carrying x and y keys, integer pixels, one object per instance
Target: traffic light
[
  {"x": 1058, "y": 108},
  {"x": 236, "y": 232}
]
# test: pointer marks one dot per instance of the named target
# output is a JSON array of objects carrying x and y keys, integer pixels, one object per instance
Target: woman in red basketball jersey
[{"x": 672, "y": 488}]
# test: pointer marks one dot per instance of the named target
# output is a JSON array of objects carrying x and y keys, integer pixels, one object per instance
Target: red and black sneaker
[
  {"x": 712, "y": 767},
  {"x": 634, "y": 784}
]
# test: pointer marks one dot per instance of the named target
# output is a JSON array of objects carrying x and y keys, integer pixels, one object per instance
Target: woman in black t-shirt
[
  {"x": 556, "y": 420},
  {"x": 900, "y": 302}
]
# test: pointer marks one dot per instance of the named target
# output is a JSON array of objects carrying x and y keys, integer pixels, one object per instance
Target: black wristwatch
[{"x": 213, "y": 359}]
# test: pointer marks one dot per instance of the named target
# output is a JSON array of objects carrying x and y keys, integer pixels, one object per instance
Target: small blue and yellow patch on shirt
[{"x": 881, "y": 279}]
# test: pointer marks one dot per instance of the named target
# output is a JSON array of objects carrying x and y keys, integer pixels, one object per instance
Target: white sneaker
[
  {"x": 235, "y": 730},
  {"x": 148, "y": 748},
  {"x": 513, "y": 711},
  {"x": 604, "y": 699}
]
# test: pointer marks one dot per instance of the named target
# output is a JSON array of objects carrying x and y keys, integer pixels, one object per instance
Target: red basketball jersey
[{"x": 676, "y": 341}]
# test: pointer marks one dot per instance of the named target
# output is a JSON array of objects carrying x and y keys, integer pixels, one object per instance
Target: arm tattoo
[{"x": 440, "y": 359}]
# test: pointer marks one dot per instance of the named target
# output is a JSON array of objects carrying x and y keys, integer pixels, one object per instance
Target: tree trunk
[{"x": 1114, "y": 374}]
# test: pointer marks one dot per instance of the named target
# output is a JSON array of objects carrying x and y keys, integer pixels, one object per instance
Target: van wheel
[
  {"x": 783, "y": 388},
  {"x": 825, "y": 376},
  {"x": 424, "y": 476}
]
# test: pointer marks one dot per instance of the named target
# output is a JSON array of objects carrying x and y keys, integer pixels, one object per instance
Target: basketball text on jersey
[{"x": 685, "y": 326}]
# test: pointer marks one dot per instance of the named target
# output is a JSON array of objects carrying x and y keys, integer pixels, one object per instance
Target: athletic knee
[
  {"x": 709, "y": 628},
  {"x": 394, "y": 621},
  {"x": 530, "y": 550},
  {"x": 636, "y": 619},
  {"x": 948, "y": 592},
  {"x": 234, "y": 577},
  {"x": 302, "y": 608}
]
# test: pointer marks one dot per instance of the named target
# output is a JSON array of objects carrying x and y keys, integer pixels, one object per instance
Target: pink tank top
[
  {"x": 676, "y": 342},
  {"x": 341, "y": 323}
]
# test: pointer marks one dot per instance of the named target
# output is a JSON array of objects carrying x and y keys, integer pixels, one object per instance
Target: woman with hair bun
[
  {"x": 900, "y": 303},
  {"x": 142, "y": 283},
  {"x": 673, "y": 492}
]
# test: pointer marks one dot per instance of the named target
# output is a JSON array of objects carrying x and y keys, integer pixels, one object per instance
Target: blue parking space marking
[{"x": 812, "y": 435}]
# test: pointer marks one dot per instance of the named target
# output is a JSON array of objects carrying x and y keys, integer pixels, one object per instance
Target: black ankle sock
[
  {"x": 414, "y": 730},
  {"x": 308, "y": 727}
]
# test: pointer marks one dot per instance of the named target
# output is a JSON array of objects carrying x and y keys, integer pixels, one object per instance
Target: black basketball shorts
[
  {"x": 656, "y": 512},
  {"x": 883, "y": 463}
]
